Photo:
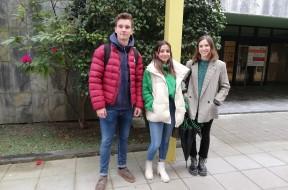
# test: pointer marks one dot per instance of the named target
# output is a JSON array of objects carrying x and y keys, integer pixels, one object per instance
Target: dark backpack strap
[
  {"x": 186, "y": 82},
  {"x": 188, "y": 78},
  {"x": 136, "y": 55},
  {"x": 107, "y": 51}
]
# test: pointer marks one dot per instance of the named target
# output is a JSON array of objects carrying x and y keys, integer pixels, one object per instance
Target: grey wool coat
[{"x": 214, "y": 90}]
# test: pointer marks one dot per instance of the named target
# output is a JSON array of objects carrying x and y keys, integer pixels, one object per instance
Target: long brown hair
[
  {"x": 158, "y": 63},
  {"x": 213, "y": 52}
]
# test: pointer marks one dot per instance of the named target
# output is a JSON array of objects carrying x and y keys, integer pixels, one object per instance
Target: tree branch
[{"x": 53, "y": 4}]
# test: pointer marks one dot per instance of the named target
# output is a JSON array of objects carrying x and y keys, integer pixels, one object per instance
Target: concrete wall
[
  {"x": 277, "y": 8},
  {"x": 26, "y": 98}
]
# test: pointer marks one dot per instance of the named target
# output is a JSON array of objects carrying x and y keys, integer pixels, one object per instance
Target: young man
[{"x": 116, "y": 94}]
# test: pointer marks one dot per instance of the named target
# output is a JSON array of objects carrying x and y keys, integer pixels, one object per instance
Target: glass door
[
  {"x": 241, "y": 63},
  {"x": 228, "y": 58},
  {"x": 251, "y": 64}
]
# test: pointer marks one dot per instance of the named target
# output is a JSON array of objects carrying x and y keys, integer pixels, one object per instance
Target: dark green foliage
[
  {"x": 65, "y": 38},
  {"x": 201, "y": 18},
  {"x": 148, "y": 21}
]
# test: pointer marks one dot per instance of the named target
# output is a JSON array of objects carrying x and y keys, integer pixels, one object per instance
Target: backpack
[{"x": 107, "y": 51}]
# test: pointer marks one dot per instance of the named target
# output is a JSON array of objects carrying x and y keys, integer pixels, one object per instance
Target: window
[
  {"x": 229, "y": 53},
  {"x": 277, "y": 33},
  {"x": 231, "y": 31},
  {"x": 247, "y": 31},
  {"x": 264, "y": 32}
]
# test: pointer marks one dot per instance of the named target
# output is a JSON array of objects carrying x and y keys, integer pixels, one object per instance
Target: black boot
[
  {"x": 202, "y": 170},
  {"x": 193, "y": 168}
]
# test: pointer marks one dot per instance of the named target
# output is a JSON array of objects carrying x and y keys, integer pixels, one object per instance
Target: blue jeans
[
  {"x": 160, "y": 133},
  {"x": 120, "y": 121}
]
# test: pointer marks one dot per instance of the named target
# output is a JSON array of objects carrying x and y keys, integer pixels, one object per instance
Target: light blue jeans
[
  {"x": 160, "y": 133},
  {"x": 120, "y": 121}
]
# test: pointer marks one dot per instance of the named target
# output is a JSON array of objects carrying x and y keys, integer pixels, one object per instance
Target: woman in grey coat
[{"x": 207, "y": 89}]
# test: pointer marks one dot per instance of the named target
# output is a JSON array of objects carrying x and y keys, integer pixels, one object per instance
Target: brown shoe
[
  {"x": 127, "y": 175},
  {"x": 102, "y": 182}
]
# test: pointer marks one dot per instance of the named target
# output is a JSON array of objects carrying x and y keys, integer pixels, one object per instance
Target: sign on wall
[{"x": 257, "y": 56}]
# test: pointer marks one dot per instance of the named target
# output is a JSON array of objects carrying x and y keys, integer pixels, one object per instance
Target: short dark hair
[
  {"x": 213, "y": 56},
  {"x": 126, "y": 16}
]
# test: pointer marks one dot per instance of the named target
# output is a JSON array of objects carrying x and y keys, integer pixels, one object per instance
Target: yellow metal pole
[{"x": 173, "y": 25}]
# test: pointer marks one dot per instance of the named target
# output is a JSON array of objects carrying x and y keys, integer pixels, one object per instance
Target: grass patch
[{"x": 46, "y": 137}]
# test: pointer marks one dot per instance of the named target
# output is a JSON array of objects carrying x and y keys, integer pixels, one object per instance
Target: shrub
[{"x": 62, "y": 35}]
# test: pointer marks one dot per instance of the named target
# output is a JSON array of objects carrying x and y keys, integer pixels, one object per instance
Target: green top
[
  {"x": 170, "y": 81},
  {"x": 147, "y": 90},
  {"x": 202, "y": 69},
  {"x": 147, "y": 87}
]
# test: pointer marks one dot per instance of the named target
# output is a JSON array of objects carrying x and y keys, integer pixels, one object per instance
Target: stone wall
[
  {"x": 277, "y": 8},
  {"x": 27, "y": 98}
]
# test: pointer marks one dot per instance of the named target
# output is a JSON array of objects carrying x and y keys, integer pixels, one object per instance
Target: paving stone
[
  {"x": 3, "y": 170},
  {"x": 200, "y": 183},
  {"x": 265, "y": 179},
  {"x": 136, "y": 187},
  {"x": 218, "y": 165},
  {"x": 236, "y": 181},
  {"x": 22, "y": 171},
  {"x": 242, "y": 162},
  {"x": 281, "y": 171},
  {"x": 266, "y": 160},
  {"x": 59, "y": 182},
  {"x": 59, "y": 167},
  {"x": 23, "y": 184},
  {"x": 169, "y": 186},
  {"x": 246, "y": 148}
]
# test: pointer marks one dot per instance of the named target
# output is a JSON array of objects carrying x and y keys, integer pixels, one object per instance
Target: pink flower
[
  {"x": 26, "y": 58},
  {"x": 54, "y": 50}
]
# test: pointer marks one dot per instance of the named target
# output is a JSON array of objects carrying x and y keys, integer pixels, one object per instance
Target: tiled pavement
[
  {"x": 248, "y": 152},
  {"x": 269, "y": 98}
]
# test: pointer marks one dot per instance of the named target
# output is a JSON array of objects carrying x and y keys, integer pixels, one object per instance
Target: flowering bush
[
  {"x": 54, "y": 50},
  {"x": 64, "y": 36},
  {"x": 26, "y": 59}
]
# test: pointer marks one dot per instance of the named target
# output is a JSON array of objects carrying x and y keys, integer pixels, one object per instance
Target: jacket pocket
[{"x": 213, "y": 109}]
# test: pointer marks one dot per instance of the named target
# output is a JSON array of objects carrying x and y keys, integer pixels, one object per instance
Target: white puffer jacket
[{"x": 160, "y": 94}]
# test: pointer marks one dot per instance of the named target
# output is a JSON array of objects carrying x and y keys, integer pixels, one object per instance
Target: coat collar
[{"x": 180, "y": 70}]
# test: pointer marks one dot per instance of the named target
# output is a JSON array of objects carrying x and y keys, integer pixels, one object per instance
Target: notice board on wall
[{"x": 257, "y": 56}]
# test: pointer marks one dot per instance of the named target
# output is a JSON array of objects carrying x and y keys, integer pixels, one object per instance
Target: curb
[
  {"x": 65, "y": 154},
  {"x": 251, "y": 112}
]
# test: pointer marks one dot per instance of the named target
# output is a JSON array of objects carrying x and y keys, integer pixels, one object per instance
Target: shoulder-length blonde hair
[
  {"x": 158, "y": 63},
  {"x": 213, "y": 52}
]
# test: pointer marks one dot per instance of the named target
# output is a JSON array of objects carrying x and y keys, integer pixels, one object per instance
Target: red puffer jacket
[{"x": 104, "y": 81}]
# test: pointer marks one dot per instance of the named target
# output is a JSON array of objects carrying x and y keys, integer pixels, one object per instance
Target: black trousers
[{"x": 204, "y": 143}]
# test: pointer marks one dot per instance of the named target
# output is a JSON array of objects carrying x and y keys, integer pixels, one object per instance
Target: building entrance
[
  {"x": 251, "y": 64},
  {"x": 247, "y": 66}
]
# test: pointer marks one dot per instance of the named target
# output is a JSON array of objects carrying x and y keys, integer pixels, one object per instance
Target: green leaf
[{"x": 9, "y": 41}]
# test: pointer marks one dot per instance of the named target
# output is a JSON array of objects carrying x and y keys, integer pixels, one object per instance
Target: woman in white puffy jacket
[{"x": 164, "y": 103}]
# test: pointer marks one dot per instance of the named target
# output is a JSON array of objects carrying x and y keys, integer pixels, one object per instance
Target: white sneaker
[
  {"x": 149, "y": 170},
  {"x": 162, "y": 172}
]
